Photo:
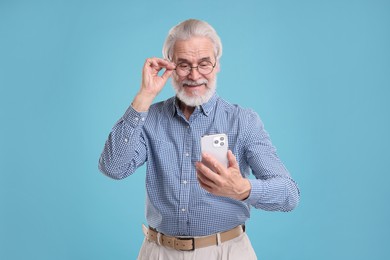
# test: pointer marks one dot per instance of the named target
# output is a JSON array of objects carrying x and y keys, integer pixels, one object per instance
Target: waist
[
  {"x": 191, "y": 243},
  {"x": 196, "y": 215}
]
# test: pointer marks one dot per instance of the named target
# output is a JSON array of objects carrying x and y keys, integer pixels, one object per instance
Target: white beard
[{"x": 195, "y": 99}]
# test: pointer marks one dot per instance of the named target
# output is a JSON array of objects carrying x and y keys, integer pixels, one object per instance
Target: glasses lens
[
  {"x": 205, "y": 67},
  {"x": 183, "y": 69}
]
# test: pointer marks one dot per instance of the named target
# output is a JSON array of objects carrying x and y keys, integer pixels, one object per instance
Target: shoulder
[
  {"x": 237, "y": 111},
  {"x": 246, "y": 121},
  {"x": 162, "y": 106}
]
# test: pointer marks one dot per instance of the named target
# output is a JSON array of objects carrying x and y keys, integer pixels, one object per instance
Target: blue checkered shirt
[{"x": 176, "y": 204}]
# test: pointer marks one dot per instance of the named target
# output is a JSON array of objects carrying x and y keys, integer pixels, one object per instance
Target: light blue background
[{"x": 317, "y": 72}]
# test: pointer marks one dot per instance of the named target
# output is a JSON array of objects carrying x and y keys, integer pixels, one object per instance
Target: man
[{"x": 195, "y": 211}]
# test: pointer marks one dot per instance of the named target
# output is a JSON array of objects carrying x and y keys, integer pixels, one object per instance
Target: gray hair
[{"x": 188, "y": 29}]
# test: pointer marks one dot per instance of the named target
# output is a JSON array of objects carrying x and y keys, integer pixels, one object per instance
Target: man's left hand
[{"x": 223, "y": 181}]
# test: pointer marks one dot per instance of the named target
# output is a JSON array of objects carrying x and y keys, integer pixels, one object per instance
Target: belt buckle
[{"x": 186, "y": 239}]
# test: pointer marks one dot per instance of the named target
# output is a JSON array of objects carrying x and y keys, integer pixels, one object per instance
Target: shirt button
[
  {"x": 143, "y": 119},
  {"x": 136, "y": 119},
  {"x": 184, "y": 182},
  {"x": 126, "y": 140},
  {"x": 183, "y": 209},
  {"x": 187, "y": 154}
]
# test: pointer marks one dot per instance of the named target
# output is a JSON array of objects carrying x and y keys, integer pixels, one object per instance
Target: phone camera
[{"x": 221, "y": 143}]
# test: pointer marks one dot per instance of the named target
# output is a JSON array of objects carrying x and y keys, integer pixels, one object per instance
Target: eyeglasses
[{"x": 204, "y": 67}]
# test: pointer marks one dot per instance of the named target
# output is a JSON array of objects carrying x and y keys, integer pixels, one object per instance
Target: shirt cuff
[
  {"x": 256, "y": 192},
  {"x": 134, "y": 118}
]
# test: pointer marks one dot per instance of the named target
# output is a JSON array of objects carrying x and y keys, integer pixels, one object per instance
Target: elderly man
[{"x": 196, "y": 206}]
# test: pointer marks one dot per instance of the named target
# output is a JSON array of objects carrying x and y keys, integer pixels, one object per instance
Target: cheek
[
  {"x": 210, "y": 77},
  {"x": 177, "y": 78}
]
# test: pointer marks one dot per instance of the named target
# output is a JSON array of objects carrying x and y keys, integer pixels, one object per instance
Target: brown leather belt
[{"x": 191, "y": 243}]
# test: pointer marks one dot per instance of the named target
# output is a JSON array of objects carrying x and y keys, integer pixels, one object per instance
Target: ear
[{"x": 217, "y": 67}]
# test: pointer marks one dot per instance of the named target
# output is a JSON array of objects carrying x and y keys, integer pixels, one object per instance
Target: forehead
[{"x": 193, "y": 49}]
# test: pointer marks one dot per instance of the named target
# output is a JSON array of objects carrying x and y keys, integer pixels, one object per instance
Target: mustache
[{"x": 194, "y": 83}]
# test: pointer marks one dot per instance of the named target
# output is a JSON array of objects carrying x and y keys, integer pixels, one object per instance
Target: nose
[{"x": 194, "y": 74}]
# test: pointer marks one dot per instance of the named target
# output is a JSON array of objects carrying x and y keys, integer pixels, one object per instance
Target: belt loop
[
  {"x": 145, "y": 231},
  {"x": 218, "y": 239},
  {"x": 158, "y": 238}
]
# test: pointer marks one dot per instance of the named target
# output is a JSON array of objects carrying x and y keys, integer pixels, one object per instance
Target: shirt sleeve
[
  {"x": 125, "y": 149},
  {"x": 273, "y": 189}
]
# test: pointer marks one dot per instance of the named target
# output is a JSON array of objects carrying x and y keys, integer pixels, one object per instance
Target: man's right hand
[{"x": 152, "y": 83}]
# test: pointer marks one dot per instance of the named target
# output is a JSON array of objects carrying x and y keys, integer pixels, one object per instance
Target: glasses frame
[{"x": 196, "y": 67}]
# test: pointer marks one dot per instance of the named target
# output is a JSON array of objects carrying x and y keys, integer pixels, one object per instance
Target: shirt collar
[{"x": 205, "y": 108}]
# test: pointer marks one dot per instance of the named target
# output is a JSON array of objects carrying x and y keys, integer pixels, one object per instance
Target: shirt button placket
[{"x": 185, "y": 176}]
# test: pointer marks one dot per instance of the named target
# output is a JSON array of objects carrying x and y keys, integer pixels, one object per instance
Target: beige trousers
[{"x": 239, "y": 248}]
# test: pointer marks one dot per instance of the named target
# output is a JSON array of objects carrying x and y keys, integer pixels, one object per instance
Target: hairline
[{"x": 191, "y": 29}]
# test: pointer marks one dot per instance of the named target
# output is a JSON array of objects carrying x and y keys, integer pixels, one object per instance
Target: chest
[{"x": 175, "y": 138}]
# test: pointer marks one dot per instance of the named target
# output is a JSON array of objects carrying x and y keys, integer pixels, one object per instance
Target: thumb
[
  {"x": 232, "y": 160},
  {"x": 167, "y": 73}
]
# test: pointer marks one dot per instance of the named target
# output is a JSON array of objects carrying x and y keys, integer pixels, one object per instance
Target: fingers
[
  {"x": 216, "y": 166},
  {"x": 204, "y": 181},
  {"x": 152, "y": 83},
  {"x": 158, "y": 64},
  {"x": 221, "y": 181},
  {"x": 207, "y": 177},
  {"x": 209, "y": 173},
  {"x": 212, "y": 163},
  {"x": 205, "y": 170}
]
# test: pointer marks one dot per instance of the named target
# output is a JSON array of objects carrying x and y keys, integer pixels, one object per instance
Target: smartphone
[{"x": 216, "y": 145}]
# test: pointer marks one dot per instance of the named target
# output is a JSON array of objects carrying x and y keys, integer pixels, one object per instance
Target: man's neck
[{"x": 187, "y": 110}]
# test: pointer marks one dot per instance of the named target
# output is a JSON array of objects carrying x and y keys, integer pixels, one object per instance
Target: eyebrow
[{"x": 180, "y": 60}]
